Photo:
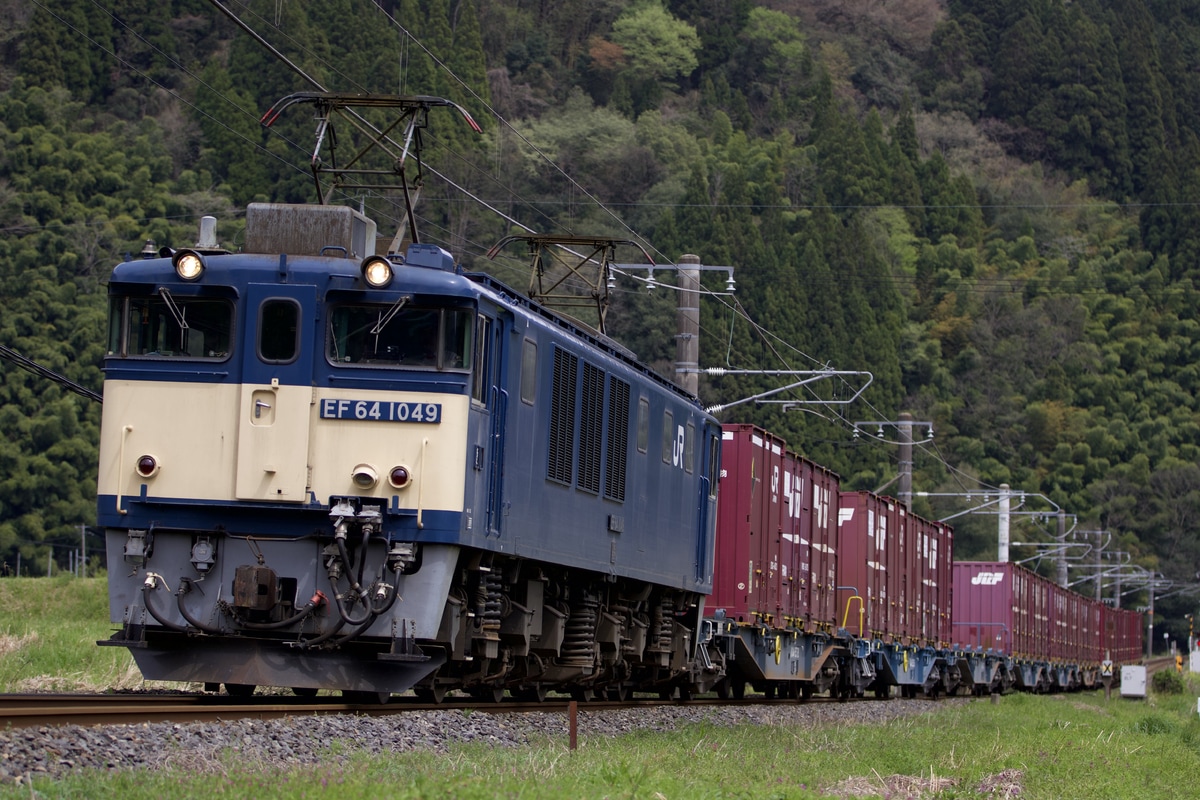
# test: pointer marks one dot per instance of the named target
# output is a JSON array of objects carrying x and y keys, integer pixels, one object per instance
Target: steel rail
[{"x": 49, "y": 710}]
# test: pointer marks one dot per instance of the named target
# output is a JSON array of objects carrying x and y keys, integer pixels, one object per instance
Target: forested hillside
[{"x": 991, "y": 206}]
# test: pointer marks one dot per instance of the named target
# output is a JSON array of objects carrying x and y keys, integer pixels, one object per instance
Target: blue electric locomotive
[{"x": 326, "y": 469}]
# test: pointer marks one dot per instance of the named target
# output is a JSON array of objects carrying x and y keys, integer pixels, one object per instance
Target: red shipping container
[
  {"x": 937, "y": 579},
  {"x": 868, "y": 549},
  {"x": 890, "y": 559},
  {"x": 1002, "y": 606},
  {"x": 1123, "y": 636},
  {"x": 776, "y": 535},
  {"x": 817, "y": 498}
]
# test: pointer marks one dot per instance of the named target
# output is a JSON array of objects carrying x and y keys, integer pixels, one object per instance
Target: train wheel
[
  {"x": 240, "y": 690},
  {"x": 436, "y": 694},
  {"x": 883, "y": 692},
  {"x": 737, "y": 688},
  {"x": 618, "y": 693},
  {"x": 488, "y": 694},
  {"x": 307, "y": 692},
  {"x": 722, "y": 689},
  {"x": 806, "y": 692},
  {"x": 583, "y": 695}
]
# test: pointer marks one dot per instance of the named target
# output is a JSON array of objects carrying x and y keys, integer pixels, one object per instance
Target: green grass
[
  {"x": 48, "y": 633},
  {"x": 1075, "y": 746}
]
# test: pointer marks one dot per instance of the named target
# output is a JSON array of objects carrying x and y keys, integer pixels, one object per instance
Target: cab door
[
  {"x": 276, "y": 393},
  {"x": 489, "y": 410},
  {"x": 706, "y": 540}
]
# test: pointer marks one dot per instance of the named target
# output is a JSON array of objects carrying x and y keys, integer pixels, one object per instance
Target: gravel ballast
[{"x": 306, "y": 740}]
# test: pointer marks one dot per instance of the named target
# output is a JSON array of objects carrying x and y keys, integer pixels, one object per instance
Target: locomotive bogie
[{"x": 530, "y": 628}]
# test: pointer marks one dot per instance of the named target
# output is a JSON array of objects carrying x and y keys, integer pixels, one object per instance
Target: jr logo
[
  {"x": 987, "y": 579},
  {"x": 677, "y": 449}
]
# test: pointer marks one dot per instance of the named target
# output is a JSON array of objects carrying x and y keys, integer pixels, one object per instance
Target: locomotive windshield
[
  {"x": 165, "y": 325},
  {"x": 400, "y": 335}
]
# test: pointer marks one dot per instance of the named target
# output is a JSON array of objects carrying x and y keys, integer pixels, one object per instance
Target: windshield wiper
[
  {"x": 176, "y": 311},
  {"x": 401, "y": 301}
]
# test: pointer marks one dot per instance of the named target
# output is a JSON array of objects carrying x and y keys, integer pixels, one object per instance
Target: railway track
[{"x": 41, "y": 710}]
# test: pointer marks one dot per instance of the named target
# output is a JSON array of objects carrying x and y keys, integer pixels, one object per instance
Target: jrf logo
[{"x": 987, "y": 579}]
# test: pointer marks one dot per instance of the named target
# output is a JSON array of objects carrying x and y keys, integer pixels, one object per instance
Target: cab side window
[
  {"x": 481, "y": 379},
  {"x": 279, "y": 331},
  {"x": 528, "y": 371}
]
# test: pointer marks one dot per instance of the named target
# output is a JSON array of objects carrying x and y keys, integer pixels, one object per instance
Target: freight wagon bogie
[
  {"x": 984, "y": 673},
  {"x": 788, "y": 662},
  {"x": 914, "y": 670}
]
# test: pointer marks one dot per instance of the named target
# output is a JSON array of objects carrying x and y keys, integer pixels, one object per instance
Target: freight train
[
  {"x": 327, "y": 469},
  {"x": 323, "y": 468},
  {"x": 817, "y": 589}
]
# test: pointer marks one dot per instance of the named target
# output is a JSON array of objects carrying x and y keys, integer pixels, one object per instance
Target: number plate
[{"x": 381, "y": 411}]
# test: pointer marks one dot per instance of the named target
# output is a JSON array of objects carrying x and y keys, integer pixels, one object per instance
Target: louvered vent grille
[
  {"x": 562, "y": 417},
  {"x": 591, "y": 428},
  {"x": 618, "y": 439}
]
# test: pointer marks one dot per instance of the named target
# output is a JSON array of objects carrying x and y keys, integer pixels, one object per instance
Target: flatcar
[
  {"x": 821, "y": 590},
  {"x": 1016, "y": 628},
  {"x": 774, "y": 604},
  {"x": 322, "y": 468},
  {"x": 894, "y": 571}
]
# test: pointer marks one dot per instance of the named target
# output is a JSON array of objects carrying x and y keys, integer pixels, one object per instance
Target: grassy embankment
[
  {"x": 48, "y": 633},
  {"x": 1076, "y": 746}
]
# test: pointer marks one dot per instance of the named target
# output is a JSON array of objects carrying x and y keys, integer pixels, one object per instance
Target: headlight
[
  {"x": 377, "y": 271},
  {"x": 189, "y": 265},
  {"x": 364, "y": 476}
]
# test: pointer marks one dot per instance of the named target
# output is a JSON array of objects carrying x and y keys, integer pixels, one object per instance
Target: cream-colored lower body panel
[
  {"x": 211, "y": 447},
  {"x": 189, "y": 428},
  {"x": 435, "y": 454},
  {"x": 272, "y": 453}
]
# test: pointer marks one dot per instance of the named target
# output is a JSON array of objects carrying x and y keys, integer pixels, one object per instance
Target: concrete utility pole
[
  {"x": 1150, "y": 637},
  {"x": 687, "y": 321},
  {"x": 904, "y": 425},
  {"x": 1003, "y": 517},
  {"x": 906, "y": 458},
  {"x": 1062, "y": 553},
  {"x": 1100, "y": 576}
]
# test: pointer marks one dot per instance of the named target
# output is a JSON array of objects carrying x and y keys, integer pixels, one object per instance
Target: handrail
[
  {"x": 421, "y": 486},
  {"x": 862, "y": 609},
  {"x": 125, "y": 431}
]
